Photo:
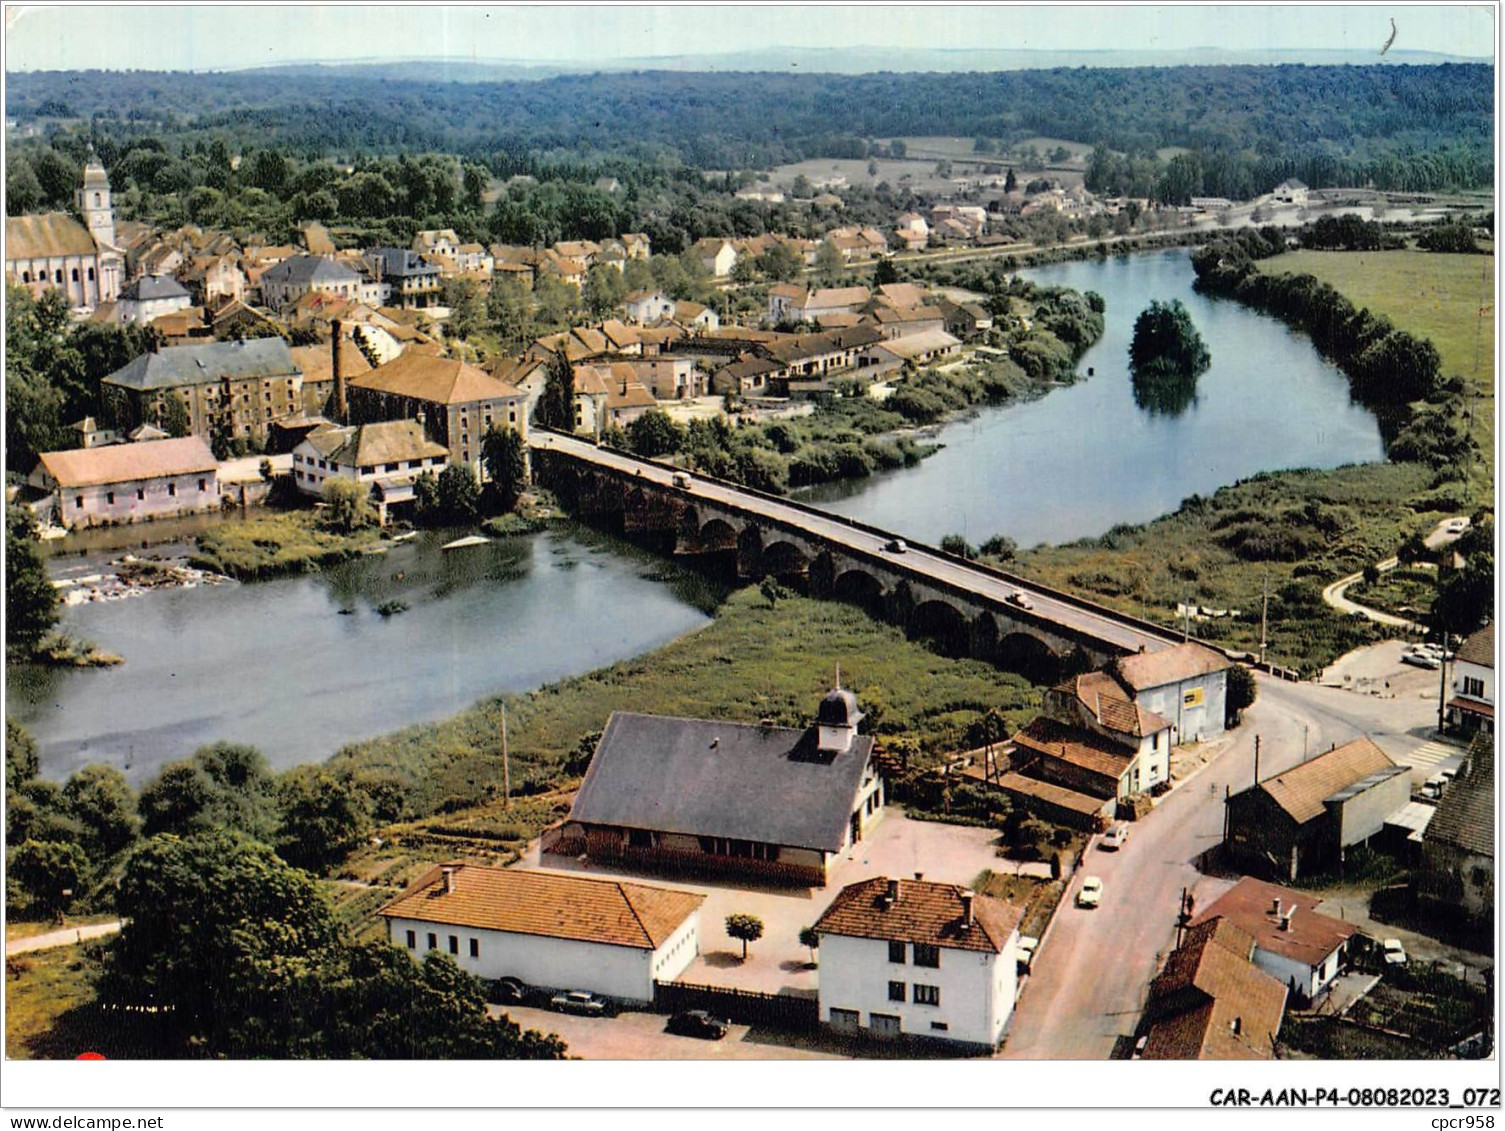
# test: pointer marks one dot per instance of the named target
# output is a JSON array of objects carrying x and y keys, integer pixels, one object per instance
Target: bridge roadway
[{"x": 1046, "y": 604}]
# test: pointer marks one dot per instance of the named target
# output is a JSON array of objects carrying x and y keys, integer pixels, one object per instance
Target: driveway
[
  {"x": 1088, "y": 984},
  {"x": 66, "y": 936},
  {"x": 641, "y": 1036},
  {"x": 776, "y": 963}
]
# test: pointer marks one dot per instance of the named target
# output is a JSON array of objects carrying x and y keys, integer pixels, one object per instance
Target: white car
[
  {"x": 1421, "y": 659},
  {"x": 1028, "y": 944},
  {"x": 1021, "y": 600},
  {"x": 1091, "y": 893},
  {"x": 1456, "y": 525},
  {"x": 1395, "y": 953},
  {"x": 1115, "y": 838}
]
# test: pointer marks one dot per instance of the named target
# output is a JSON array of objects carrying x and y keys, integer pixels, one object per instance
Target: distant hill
[{"x": 848, "y": 61}]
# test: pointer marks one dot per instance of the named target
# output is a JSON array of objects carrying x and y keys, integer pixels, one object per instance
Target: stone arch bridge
[{"x": 966, "y": 608}]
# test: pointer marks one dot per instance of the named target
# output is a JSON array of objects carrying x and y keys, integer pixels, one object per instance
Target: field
[
  {"x": 752, "y": 662},
  {"x": 1448, "y": 299},
  {"x": 40, "y": 988}
]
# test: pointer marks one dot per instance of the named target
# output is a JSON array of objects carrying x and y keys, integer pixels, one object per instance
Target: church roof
[
  {"x": 94, "y": 175},
  {"x": 50, "y": 235}
]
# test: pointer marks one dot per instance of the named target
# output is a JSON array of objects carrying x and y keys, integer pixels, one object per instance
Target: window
[
  {"x": 896, "y": 952},
  {"x": 433, "y": 941},
  {"x": 927, "y": 995},
  {"x": 78, "y": 502},
  {"x": 1473, "y": 687},
  {"x": 391, "y": 466},
  {"x": 91, "y": 274},
  {"x": 203, "y": 485},
  {"x": 940, "y": 1026},
  {"x": 25, "y": 276},
  {"x": 140, "y": 494},
  {"x": 475, "y": 948},
  {"x": 75, "y": 274},
  {"x": 454, "y": 944},
  {"x": 172, "y": 489},
  {"x": 58, "y": 275},
  {"x": 110, "y": 497},
  {"x": 412, "y": 940},
  {"x": 926, "y": 955},
  {"x": 896, "y": 991}
]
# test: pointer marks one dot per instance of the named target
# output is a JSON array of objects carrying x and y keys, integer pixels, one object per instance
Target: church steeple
[{"x": 93, "y": 203}]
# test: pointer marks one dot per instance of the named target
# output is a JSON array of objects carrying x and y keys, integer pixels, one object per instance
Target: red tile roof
[
  {"x": 1300, "y": 791},
  {"x": 126, "y": 463},
  {"x": 1076, "y": 745},
  {"x": 1248, "y": 905},
  {"x": 925, "y": 912},
  {"x": 542, "y": 903}
]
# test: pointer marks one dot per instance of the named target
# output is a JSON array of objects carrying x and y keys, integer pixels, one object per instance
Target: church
[
  {"x": 713, "y": 797},
  {"x": 78, "y": 255}
]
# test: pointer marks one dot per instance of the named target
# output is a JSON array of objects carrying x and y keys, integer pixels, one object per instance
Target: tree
[
  {"x": 347, "y": 505},
  {"x": 605, "y": 288},
  {"x": 510, "y": 312},
  {"x": 459, "y": 494},
  {"x": 173, "y": 419},
  {"x": 1166, "y": 356},
  {"x": 884, "y": 272},
  {"x": 324, "y": 817},
  {"x": 223, "y": 785},
  {"x": 780, "y": 263},
  {"x": 828, "y": 262},
  {"x": 103, "y": 803},
  {"x": 557, "y": 301},
  {"x": 897, "y": 149},
  {"x": 801, "y": 189},
  {"x": 956, "y": 544},
  {"x": 31, "y": 602},
  {"x": 655, "y": 434},
  {"x": 1465, "y": 597},
  {"x": 1242, "y": 691},
  {"x": 49, "y": 872},
  {"x": 745, "y": 928},
  {"x": 556, "y": 408},
  {"x": 1000, "y": 546},
  {"x": 504, "y": 455},
  {"x": 1010, "y": 181},
  {"x": 21, "y": 761},
  {"x": 772, "y": 591},
  {"x": 466, "y": 307},
  {"x": 810, "y": 940}
]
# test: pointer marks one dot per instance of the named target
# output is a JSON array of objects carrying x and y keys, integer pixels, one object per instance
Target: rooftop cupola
[{"x": 837, "y": 719}]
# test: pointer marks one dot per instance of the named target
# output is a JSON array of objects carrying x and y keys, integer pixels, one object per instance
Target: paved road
[
  {"x": 641, "y": 1036},
  {"x": 1093, "y": 969},
  {"x": 67, "y": 936},
  {"x": 1098, "y": 624},
  {"x": 1335, "y": 594}
]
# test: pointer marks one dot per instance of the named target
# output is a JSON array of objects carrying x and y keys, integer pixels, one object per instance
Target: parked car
[
  {"x": 1395, "y": 952},
  {"x": 1115, "y": 838},
  {"x": 895, "y": 546},
  {"x": 578, "y": 1001},
  {"x": 1091, "y": 893},
  {"x": 507, "y": 990},
  {"x": 1028, "y": 944},
  {"x": 1420, "y": 659},
  {"x": 1456, "y": 525},
  {"x": 697, "y": 1023}
]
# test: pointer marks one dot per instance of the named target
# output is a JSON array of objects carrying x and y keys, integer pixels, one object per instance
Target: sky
[{"x": 207, "y": 37}]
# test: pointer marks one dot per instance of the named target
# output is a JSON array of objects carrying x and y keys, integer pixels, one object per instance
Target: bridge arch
[
  {"x": 750, "y": 551},
  {"x": 1030, "y": 656},
  {"x": 985, "y": 636},
  {"x": 716, "y": 535},
  {"x": 943, "y": 624},
  {"x": 785, "y": 559},
  {"x": 861, "y": 588}
]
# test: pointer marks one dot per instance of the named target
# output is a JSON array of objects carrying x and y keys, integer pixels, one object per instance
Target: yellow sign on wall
[{"x": 1192, "y": 698}]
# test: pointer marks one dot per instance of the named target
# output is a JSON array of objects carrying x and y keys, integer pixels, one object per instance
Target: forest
[{"x": 1326, "y": 124}]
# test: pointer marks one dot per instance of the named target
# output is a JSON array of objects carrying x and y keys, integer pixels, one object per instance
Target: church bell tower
[{"x": 93, "y": 201}]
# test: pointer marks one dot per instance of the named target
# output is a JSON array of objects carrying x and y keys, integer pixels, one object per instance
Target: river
[
  {"x": 276, "y": 664},
  {"x": 299, "y": 666},
  {"x": 1085, "y": 458}
]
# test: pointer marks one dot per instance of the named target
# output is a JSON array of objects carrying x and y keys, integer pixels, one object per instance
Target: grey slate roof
[
  {"x": 399, "y": 261},
  {"x": 202, "y": 365},
  {"x": 150, "y": 287},
  {"x": 310, "y": 269},
  {"x": 708, "y": 778}
]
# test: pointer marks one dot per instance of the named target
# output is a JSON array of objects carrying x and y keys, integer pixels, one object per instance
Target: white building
[
  {"x": 1293, "y": 942},
  {"x": 54, "y": 251},
  {"x": 1186, "y": 683},
  {"x": 150, "y": 297},
  {"x": 916, "y": 958},
  {"x": 548, "y": 930},
  {"x": 644, "y": 307},
  {"x": 386, "y": 456},
  {"x": 1472, "y": 707},
  {"x": 123, "y": 483},
  {"x": 717, "y": 255}
]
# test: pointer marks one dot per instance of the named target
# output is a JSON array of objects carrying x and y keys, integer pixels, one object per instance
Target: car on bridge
[
  {"x": 896, "y": 546},
  {"x": 1018, "y": 598}
]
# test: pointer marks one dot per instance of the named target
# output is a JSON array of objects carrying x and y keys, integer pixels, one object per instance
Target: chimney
[
  {"x": 1275, "y": 906},
  {"x": 919, "y": 875},
  {"x": 891, "y": 897},
  {"x": 448, "y": 871},
  {"x": 1285, "y": 920},
  {"x": 339, "y": 378},
  {"x": 967, "y": 919}
]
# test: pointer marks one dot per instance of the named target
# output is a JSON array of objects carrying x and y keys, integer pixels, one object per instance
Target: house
[
  {"x": 182, "y": 327},
  {"x": 548, "y": 930},
  {"x": 1292, "y": 941},
  {"x": 636, "y": 244},
  {"x": 1303, "y": 820},
  {"x": 1211, "y": 1002},
  {"x": 620, "y": 338},
  {"x": 964, "y": 320},
  {"x": 609, "y": 395},
  {"x": 717, "y": 255},
  {"x": 920, "y": 959},
  {"x": 528, "y": 375},
  {"x": 671, "y": 377},
  {"x": 79, "y": 257},
  {"x": 91, "y": 435},
  {"x": 748, "y": 376},
  {"x": 456, "y": 402},
  {"x": 775, "y": 803},
  {"x": 900, "y": 296},
  {"x": 291, "y": 279},
  {"x": 1472, "y": 706},
  {"x": 412, "y": 282},
  {"x": 1186, "y": 683},
  {"x": 903, "y": 321},
  {"x": 441, "y": 243},
  {"x": 913, "y": 229},
  {"x": 585, "y": 251},
  {"x": 644, "y": 307},
  {"x": 150, "y": 297},
  {"x": 1096, "y": 702},
  {"x": 122, "y": 483},
  {"x": 1291, "y": 192},
  {"x": 789, "y": 303},
  {"x": 1459, "y": 843},
  {"x": 231, "y": 318},
  {"x": 213, "y": 277},
  {"x": 1080, "y": 760},
  {"x": 230, "y": 389},
  {"x": 388, "y": 456},
  {"x": 917, "y": 349}
]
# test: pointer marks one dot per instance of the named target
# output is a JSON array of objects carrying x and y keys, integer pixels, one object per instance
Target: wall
[
  {"x": 127, "y": 507},
  {"x": 1360, "y": 817},
  {"x": 1192, "y": 723},
  {"x": 976, "y": 988},
  {"x": 565, "y": 964},
  {"x": 1308, "y": 980},
  {"x": 676, "y": 952}
]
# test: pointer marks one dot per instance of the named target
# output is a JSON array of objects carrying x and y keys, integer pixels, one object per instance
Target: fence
[{"x": 745, "y": 1007}]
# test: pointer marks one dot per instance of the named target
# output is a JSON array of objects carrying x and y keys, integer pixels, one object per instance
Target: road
[
  {"x": 1091, "y": 622},
  {"x": 1088, "y": 984},
  {"x": 641, "y": 1036},
  {"x": 1335, "y": 594},
  {"x": 66, "y": 936}
]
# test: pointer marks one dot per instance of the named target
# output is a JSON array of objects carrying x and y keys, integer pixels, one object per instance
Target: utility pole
[
  {"x": 506, "y": 766},
  {"x": 1256, "y": 759},
  {"x": 1442, "y": 683}
]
